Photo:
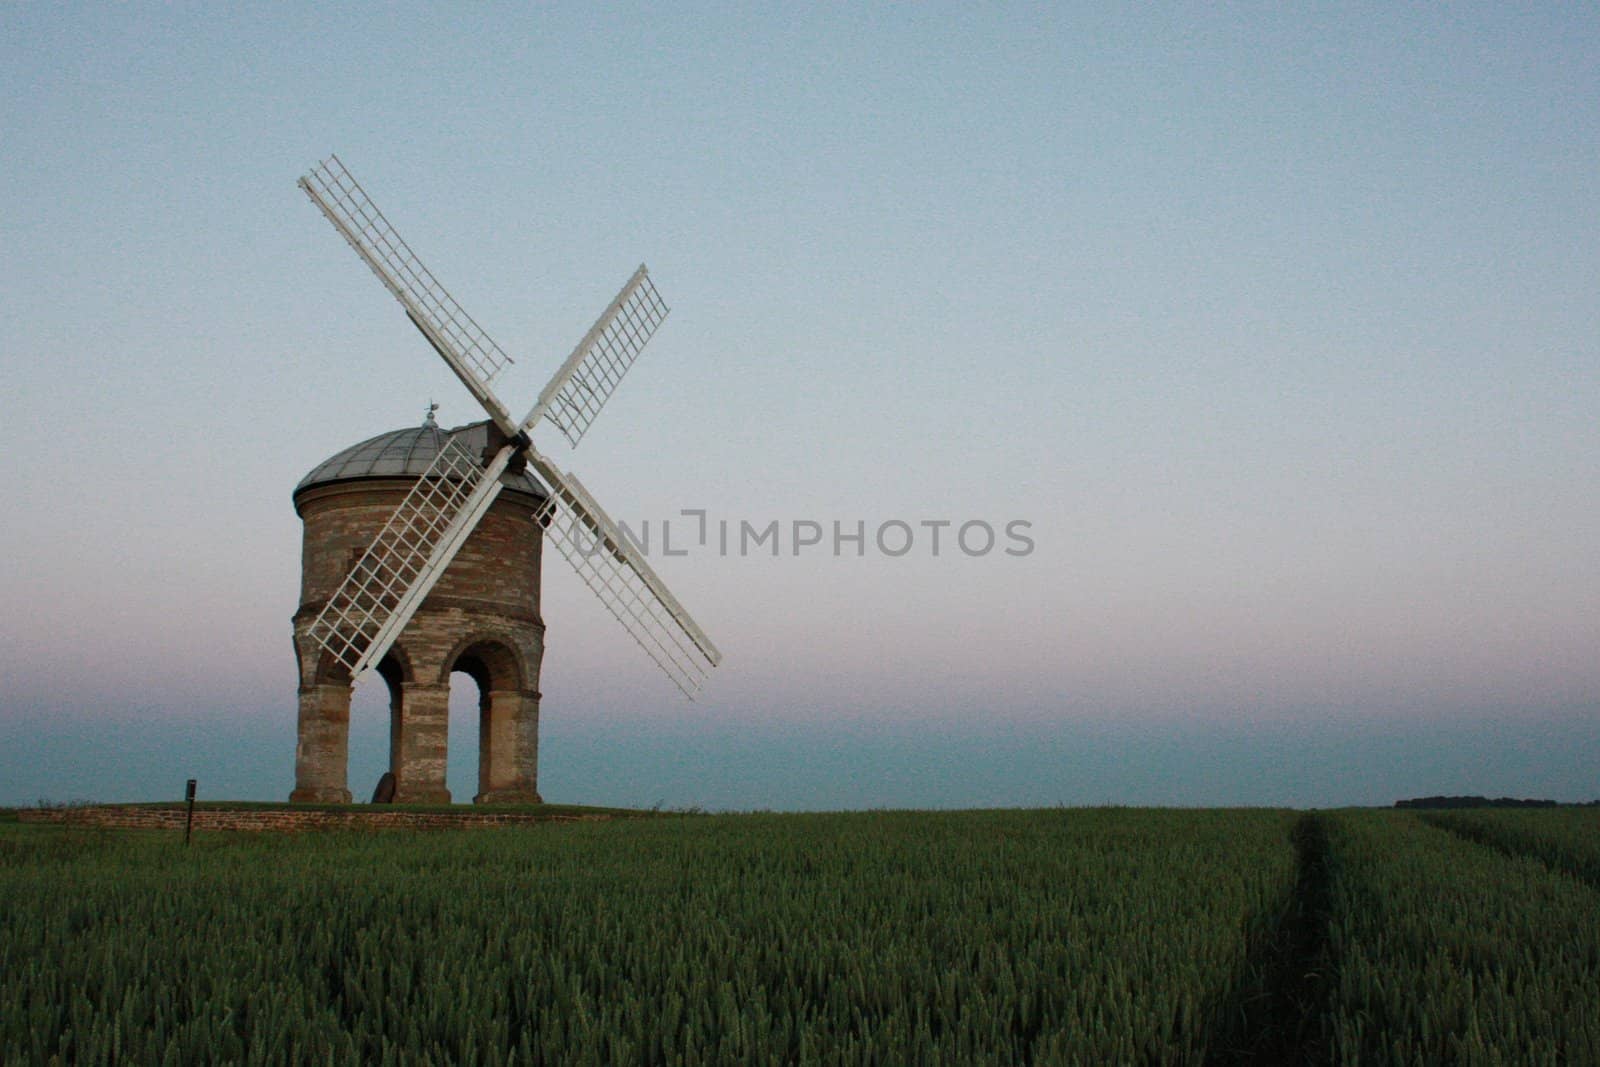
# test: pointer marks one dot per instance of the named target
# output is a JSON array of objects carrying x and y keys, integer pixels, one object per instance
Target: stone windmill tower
[
  {"x": 482, "y": 618},
  {"x": 422, "y": 546}
]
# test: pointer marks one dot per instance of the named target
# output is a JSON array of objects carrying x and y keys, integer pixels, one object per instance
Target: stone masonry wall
[
  {"x": 497, "y": 568},
  {"x": 482, "y": 616}
]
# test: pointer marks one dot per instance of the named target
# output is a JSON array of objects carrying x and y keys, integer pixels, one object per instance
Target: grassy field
[{"x": 1060, "y": 936}]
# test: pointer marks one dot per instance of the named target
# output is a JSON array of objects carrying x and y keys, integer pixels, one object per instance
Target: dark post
[{"x": 188, "y": 822}]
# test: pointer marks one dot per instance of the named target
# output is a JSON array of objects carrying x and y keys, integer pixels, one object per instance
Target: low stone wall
[{"x": 134, "y": 817}]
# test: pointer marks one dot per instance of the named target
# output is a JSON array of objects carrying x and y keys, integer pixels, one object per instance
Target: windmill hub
[{"x": 498, "y": 440}]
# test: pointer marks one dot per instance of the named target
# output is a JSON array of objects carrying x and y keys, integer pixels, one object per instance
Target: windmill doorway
[
  {"x": 486, "y": 705},
  {"x": 374, "y": 745},
  {"x": 463, "y": 773}
]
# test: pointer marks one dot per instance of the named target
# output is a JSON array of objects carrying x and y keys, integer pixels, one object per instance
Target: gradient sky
[{"x": 1279, "y": 327}]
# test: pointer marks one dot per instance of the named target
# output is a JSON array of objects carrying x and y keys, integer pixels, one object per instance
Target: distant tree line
[{"x": 1475, "y": 802}]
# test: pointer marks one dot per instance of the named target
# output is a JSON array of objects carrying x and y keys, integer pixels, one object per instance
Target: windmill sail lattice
[
  {"x": 616, "y": 572},
  {"x": 390, "y": 580},
  {"x": 470, "y": 351},
  {"x": 591, "y": 374},
  {"x": 403, "y": 556}
]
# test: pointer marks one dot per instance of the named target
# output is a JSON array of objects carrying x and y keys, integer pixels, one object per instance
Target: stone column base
[
  {"x": 314, "y": 795},
  {"x": 508, "y": 796},
  {"x": 322, "y": 748},
  {"x": 420, "y": 794}
]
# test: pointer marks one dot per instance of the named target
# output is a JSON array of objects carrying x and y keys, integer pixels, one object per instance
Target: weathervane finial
[{"x": 428, "y": 421}]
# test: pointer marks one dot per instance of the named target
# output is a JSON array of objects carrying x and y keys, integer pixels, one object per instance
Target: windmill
[{"x": 390, "y": 580}]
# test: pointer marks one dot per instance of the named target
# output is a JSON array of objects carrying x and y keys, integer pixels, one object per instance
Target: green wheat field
[{"x": 1081, "y": 936}]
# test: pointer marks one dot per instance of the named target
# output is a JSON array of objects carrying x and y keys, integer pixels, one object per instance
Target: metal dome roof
[{"x": 406, "y": 454}]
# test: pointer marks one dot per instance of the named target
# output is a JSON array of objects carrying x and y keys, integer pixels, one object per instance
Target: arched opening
[
  {"x": 374, "y": 745},
  {"x": 463, "y": 767},
  {"x": 485, "y": 682}
]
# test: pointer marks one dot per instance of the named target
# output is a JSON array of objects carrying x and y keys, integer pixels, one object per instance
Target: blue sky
[{"x": 1279, "y": 328}]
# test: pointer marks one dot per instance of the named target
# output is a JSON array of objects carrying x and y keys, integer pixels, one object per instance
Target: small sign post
[{"x": 188, "y": 822}]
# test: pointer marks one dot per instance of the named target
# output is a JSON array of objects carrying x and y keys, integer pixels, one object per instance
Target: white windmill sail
[
  {"x": 616, "y": 572},
  {"x": 392, "y": 578},
  {"x": 592, "y": 373},
  {"x": 454, "y": 334}
]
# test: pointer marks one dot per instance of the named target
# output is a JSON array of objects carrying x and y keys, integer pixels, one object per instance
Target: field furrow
[
  {"x": 1445, "y": 951},
  {"x": 1567, "y": 839}
]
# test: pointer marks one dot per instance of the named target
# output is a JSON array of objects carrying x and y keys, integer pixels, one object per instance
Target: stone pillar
[
  {"x": 396, "y": 714},
  {"x": 321, "y": 756},
  {"x": 508, "y": 758},
  {"x": 423, "y": 744}
]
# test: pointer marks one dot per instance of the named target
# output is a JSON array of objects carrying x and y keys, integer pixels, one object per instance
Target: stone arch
[
  {"x": 508, "y": 716},
  {"x": 489, "y": 658},
  {"x": 331, "y": 671},
  {"x": 398, "y": 661},
  {"x": 316, "y": 665}
]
